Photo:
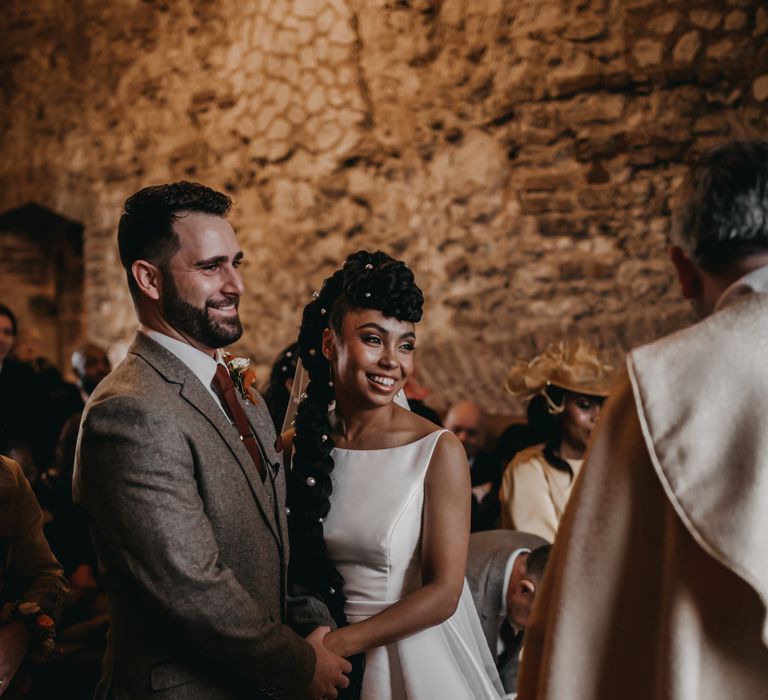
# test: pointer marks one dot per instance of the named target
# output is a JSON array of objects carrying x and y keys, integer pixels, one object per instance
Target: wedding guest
[
  {"x": 658, "y": 583},
  {"x": 567, "y": 385},
  {"x": 18, "y": 407},
  {"x": 417, "y": 393},
  {"x": 503, "y": 571},
  {"x": 467, "y": 421},
  {"x": 32, "y": 583}
]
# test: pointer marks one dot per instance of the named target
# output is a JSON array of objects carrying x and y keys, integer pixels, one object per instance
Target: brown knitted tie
[{"x": 225, "y": 388}]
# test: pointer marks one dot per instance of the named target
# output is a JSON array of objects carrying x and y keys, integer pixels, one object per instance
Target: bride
[{"x": 379, "y": 497}]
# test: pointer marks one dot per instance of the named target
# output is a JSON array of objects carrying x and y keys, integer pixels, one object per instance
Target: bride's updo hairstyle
[{"x": 365, "y": 281}]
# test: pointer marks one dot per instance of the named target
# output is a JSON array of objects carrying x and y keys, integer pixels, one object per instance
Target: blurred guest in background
[
  {"x": 416, "y": 393},
  {"x": 18, "y": 406},
  {"x": 32, "y": 584},
  {"x": 467, "y": 421},
  {"x": 503, "y": 572},
  {"x": 567, "y": 385}
]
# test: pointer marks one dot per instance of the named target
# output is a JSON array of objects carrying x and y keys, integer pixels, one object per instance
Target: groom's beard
[{"x": 196, "y": 322}]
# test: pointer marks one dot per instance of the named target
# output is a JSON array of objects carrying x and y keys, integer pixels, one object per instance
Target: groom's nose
[{"x": 233, "y": 283}]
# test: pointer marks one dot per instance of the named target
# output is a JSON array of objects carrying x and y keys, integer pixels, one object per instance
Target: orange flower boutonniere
[{"x": 243, "y": 374}]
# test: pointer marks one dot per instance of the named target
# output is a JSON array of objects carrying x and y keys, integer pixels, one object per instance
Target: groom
[{"x": 181, "y": 483}]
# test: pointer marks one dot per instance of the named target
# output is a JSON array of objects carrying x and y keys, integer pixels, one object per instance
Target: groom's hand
[{"x": 329, "y": 668}]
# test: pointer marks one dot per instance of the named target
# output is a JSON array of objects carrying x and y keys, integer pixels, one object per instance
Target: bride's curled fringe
[{"x": 366, "y": 281}]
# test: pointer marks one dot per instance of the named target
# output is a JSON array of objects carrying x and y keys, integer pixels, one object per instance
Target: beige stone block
[
  {"x": 282, "y": 96},
  {"x": 326, "y": 76},
  {"x": 596, "y": 107},
  {"x": 341, "y": 33},
  {"x": 305, "y": 32},
  {"x": 735, "y": 20},
  {"x": 326, "y": 20},
  {"x": 706, "y": 19},
  {"x": 761, "y": 21},
  {"x": 277, "y": 150},
  {"x": 264, "y": 116},
  {"x": 307, "y": 57},
  {"x": 307, "y": 8},
  {"x": 253, "y": 61},
  {"x": 327, "y": 135},
  {"x": 277, "y": 10},
  {"x": 316, "y": 100},
  {"x": 346, "y": 75},
  {"x": 720, "y": 50},
  {"x": 587, "y": 29},
  {"x": 760, "y": 88},
  {"x": 296, "y": 115},
  {"x": 647, "y": 52},
  {"x": 664, "y": 23},
  {"x": 687, "y": 47},
  {"x": 336, "y": 97},
  {"x": 279, "y": 130},
  {"x": 285, "y": 42}
]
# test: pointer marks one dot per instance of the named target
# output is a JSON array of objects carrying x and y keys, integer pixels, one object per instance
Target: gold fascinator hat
[{"x": 570, "y": 365}]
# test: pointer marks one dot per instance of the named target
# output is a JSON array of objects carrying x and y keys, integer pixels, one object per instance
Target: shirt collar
[
  {"x": 203, "y": 366},
  {"x": 755, "y": 281}
]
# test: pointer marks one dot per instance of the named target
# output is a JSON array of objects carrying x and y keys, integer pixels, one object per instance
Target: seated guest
[
  {"x": 504, "y": 568},
  {"x": 567, "y": 385},
  {"x": 32, "y": 583},
  {"x": 467, "y": 421},
  {"x": 18, "y": 406}
]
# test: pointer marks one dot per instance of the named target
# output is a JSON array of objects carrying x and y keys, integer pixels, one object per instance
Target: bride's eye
[{"x": 373, "y": 339}]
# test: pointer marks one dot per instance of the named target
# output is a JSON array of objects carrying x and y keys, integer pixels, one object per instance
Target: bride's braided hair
[{"x": 365, "y": 281}]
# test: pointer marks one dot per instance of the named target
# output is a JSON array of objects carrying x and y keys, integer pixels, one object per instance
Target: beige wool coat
[{"x": 658, "y": 583}]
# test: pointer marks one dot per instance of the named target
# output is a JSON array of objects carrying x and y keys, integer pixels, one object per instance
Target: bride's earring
[{"x": 330, "y": 371}]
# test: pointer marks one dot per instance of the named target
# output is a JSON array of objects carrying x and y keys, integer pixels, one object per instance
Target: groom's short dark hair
[{"x": 145, "y": 231}]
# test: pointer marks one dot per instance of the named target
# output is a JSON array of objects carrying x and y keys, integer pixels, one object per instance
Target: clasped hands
[{"x": 330, "y": 668}]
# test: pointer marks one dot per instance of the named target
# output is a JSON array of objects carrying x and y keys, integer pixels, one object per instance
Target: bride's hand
[{"x": 334, "y": 641}]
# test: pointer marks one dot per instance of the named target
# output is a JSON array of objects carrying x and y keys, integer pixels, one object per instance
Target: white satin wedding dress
[{"x": 373, "y": 534}]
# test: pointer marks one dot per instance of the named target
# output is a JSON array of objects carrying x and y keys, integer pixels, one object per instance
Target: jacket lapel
[{"x": 199, "y": 398}]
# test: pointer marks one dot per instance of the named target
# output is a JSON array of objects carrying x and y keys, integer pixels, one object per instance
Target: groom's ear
[
  {"x": 329, "y": 344},
  {"x": 148, "y": 278}
]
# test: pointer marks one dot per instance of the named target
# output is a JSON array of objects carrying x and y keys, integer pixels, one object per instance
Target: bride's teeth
[{"x": 385, "y": 381}]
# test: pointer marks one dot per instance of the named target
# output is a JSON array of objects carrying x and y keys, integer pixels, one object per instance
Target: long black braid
[{"x": 365, "y": 281}]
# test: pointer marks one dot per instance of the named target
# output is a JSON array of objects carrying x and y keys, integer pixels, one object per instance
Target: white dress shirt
[
  {"x": 755, "y": 281},
  {"x": 201, "y": 365}
]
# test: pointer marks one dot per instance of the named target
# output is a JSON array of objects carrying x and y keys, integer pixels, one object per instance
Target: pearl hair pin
[{"x": 310, "y": 481}]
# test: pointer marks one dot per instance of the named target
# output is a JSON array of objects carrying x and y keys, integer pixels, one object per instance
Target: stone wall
[{"x": 522, "y": 156}]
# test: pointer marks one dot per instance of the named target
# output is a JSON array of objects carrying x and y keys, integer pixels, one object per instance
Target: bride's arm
[{"x": 445, "y": 539}]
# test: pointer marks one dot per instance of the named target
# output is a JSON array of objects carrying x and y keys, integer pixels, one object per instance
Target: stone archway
[{"x": 41, "y": 277}]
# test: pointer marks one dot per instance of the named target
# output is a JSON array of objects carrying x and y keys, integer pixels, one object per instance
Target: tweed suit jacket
[
  {"x": 489, "y": 553},
  {"x": 192, "y": 546}
]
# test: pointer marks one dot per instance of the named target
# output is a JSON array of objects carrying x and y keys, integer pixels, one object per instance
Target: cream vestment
[
  {"x": 534, "y": 493},
  {"x": 658, "y": 583}
]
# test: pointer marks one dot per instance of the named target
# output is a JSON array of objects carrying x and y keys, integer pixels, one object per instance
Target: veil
[{"x": 300, "y": 381}]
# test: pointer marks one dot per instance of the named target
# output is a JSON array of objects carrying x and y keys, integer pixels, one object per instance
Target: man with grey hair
[{"x": 658, "y": 583}]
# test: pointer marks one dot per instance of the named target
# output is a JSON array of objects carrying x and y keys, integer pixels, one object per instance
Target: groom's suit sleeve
[{"x": 137, "y": 483}]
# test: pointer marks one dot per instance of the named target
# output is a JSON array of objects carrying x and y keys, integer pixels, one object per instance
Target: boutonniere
[{"x": 242, "y": 373}]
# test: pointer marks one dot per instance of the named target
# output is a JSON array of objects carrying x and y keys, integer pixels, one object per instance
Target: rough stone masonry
[{"x": 523, "y": 157}]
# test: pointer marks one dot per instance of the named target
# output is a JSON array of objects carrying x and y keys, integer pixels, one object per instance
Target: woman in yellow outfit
[{"x": 566, "y": 386}]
